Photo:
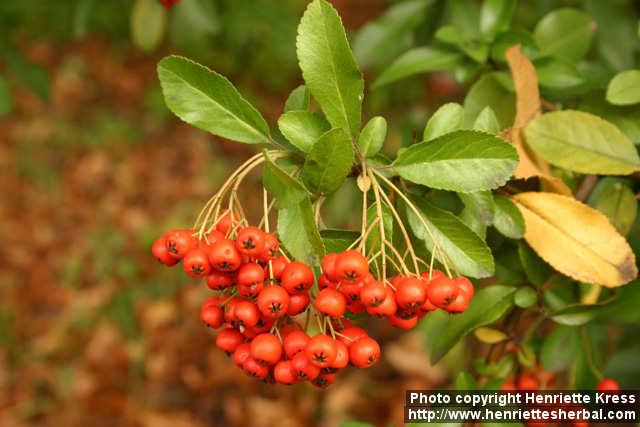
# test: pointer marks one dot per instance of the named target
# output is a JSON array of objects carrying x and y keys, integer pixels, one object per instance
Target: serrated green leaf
[
  {"x": 328, "y": 67},
  {"x": 448, "y": 118},
  {"x": 557, "y": 74},
  {"x": 372, "y": 136},
  {"x": 6, "y": 103},
  {"x": 303, "y": 128},
  {"x": 479, "y": 204},
  {"x": 487, "y": 121},
  {"x": 582, "y": 142},
  {"x": 536, "y": 269},
  {"x": 328, "y": 162},
  {"x": 495, "y": 16},
  {"x": 336, "y": 241},
  {"x": 489, "y": 91},
  {"x": 525, "y": 297},
  {"x": 565, "y": 33},
  {"x": 616, "y": 200},
  {"x": 298, "y": 99},
  {"x": 462, "y": 161},
  {"x": 474, "y": 223},
  {"x": 462, "y": 246},
  {"x": 287, "y": 190},
  {"x": 390, "y": 33},
  {"x": 507, "y": 218},
  {"x": 207, "y": 100},
  {"x": 560, "y": 348},
  {"x": 416, "y": 61},
  {"x": 148, "y": 22},
  {"x": 488, "y": 305},
  {"x": 624, "y": 88},
  {"x": 299, "y": 233}
]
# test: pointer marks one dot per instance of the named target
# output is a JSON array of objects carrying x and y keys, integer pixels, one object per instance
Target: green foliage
[
  {"x": 299, "y": 233},
  {"x": 446, "y": 119},
  {"x": 565, "y": 34},
  {"x": 372, "y": 136},
  {"x": 416, "y": 61},
  {"x": 148, "y": 21},
  {"x": 328, "y": 162},
  {"x": 303, "y": 128},
  {"x": 624, "y": 88}
]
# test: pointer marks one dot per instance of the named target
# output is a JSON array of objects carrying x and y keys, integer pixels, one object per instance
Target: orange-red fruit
[
  {"x": 298, "y": 303},
  {"x": 217, "y": 280},
  {"x": 442, "y": 292},
  {"x": 364, "y": 353},
  {"x": 303, "y": 369},
  {"x": 528, "y": 382},
  {"x": 254, "y": 368},
  {"x": 342, "y": 356},
  {"x": 196, "y": 263},
  {"x": 387, "y": 308},
  {"x": 273, "y": 301},
  {"x": 224, "y": 256},
  {"x": 179, "y": 242},
  {"x": 241, "y": 354},
  {"x": 328, "y": 265},
  {"x": 321, "y": 350},
  {"x": 212, "y": 315},
  {"x": 250, "y": 241},
  {"x": 373, "y": 294},
  {"x": 246, "y": 313},
  {"x": 435, "y": 274},
  {"x": 351, "y": 334},
  {"x": 324, "y": 380},
  {"x": 460, "y": 304},
  {"x": 465, "y": 286},
  {"x": 330, "y": 302},
  {"x": 351, "y": 266},
  {"x": 401, "y": 323},
  {"x": 266, "y": 349},
  {"x": 297, "y": 277},
  {"x": 411, "y": 293},
  {"x": 229, "y": 339},
  {"x": 271, "y": 247},
  {"x": 225, "y": 221},
  {"x": 283, "y": 372},
  {"x": 161, "y": 253},
  {"x": 295, "y": 342},
  {"x": 607, "y": 384},
  {"x": 250, "y": 274}
]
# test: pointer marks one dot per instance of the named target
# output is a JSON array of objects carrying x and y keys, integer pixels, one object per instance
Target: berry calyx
[
  {"x": 297, "y": 277},
  {"x": 442, "y": 292},
  {"x": 273, "y": 301},
  {"x": 250, "y": 241},
  {"x": 321, "y": 350}
]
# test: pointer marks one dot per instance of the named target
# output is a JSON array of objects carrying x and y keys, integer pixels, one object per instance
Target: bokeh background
[{"x": 93, "y": 167}]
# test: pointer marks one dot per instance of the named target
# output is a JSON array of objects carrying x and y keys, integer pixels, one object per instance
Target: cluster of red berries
[
  {"x": 261, "y": 291},
  {"x": 169, "y": 3}
]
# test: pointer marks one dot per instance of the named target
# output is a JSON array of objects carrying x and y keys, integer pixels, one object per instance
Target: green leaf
[
  {"x": 287, "y": 190},
  {"x": 303, "y": 128},
  {"x": 416, "y": 61},
  {"x": 627, "y": 119},
  {"x": 328, "y": 67},
  {"x": 487, "y": 121},
  {"x": 488, "y": 305},
  {"x": 616, "y": 200},
  {"x": 474, "y": 49},
  {"x": 489, "y": 91},
  {"x": 372, "y": 136},
  {"x": 495, "y": 16},
  {"x": 464, "y": 381},
  {"x": 355, "y": 424},
  {"x": 624, "y": 368},
  {"x": 536, "y": 269},
  {"x": 526, "y": 356},
  {"x": 328, "y": 163},
  {"x": 82, "y": 17},
  {"x": 559, "y": 348},
  {"x": 6, "y": 102},
  {"x": 462, "y": 161},
  {"x": 298, "y": 99},
  {"x": 507, "y": 218},
  {"x": 624, "y": 88},
  {"x": 580, "y": 314},
  {"x": 390, "y": 33},
  {"x": 462, "y": 246},
  {"x": 148, "y": 22},
  {"x": 582, "y": 142},
  {"x": 557, "y": 74},
  {"x": 299, "y": 234},
  {"x": 615, "y": 37},
  {"x": 479, "y": 204},
  {"x": 29, "y": 74},
  {"x": 525, "y": 297},
  {"x": 565, "y": 33},
  {"x": 446, "y": 119},
  {"x": 336, "y": 241},
  {"x": 207, "y": 100}
]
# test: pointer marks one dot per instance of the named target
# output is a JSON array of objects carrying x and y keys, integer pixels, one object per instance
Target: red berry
[
  {"x": 250, "y": 241},
  {"x": 328, "y": 265},
  {"x": 297, "y": 277},
  {"x": 161, "y": 253},
  {"x": 252, "y": 367},
  {"x": 351, "y": 334},
  {"x": 351, "y": 290},
  {"x": 411, "y": 293},
  {"x": 387, "y": 308},
  {"x": 303, "y": 369},
  {"x": 442, "y": 292},
  {"x": 321, "y": 350},
  {"x": 295, "y": 342},
  {"x": 224, "y": 223},
  {"x": 373, "y": 294},
  {"x": 324, "y": 380},
  {"x": 355, "y": 307},
  {"x": 351, "y": 266},
  {"x": 246, "y": 313},
  {"x": 229, "y": 339},
  {"x": 364, "y": 353},
  {"x": 324, "y": 282},
  {"x": 212, "y": 315},
  {"x": 250, "y": 291},
  {"x": 224, "y": 256},
  {"x": 250, "y": 274},
  {"x": 508, "y": 385},
  {"x": 342, "y": 356},
  {"x": 283, "y": 372},
  {"x": 241, "y": 354},
  {"x": 278, "y": 265},
  {"x": 427, "y": 307},
  {"x": 330, "y": 302},
  {"x": 196, "y": 263},
  {"x": 229, "y": 309},
  {"x": 298, "y": 303},
  {"x": 401, "y": 323},
  {"x": 607, "y": 384},
  {"x": 435, "y": 274},
  {"x": 179, "y": 242},
  {"x": 217, "y": 280},
  {"x": 271, "y": 247},
  {"x": 273, "y": 301},
  {"x": 464, "y": 286},
  {"x": 460, "y": 304},
  {"x": 266, "y": 349},
  {"x": 528, "y": 383}
]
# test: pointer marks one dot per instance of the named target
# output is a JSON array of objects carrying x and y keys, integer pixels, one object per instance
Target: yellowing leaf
[
  {"x": 525, "y": 81},
  {"x": 490, "y": 335},
  {"x": 576, "y": 240}
]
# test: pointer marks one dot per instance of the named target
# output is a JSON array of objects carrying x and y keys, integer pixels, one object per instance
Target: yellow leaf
[
  {"x": 490, "y": 335},
  {"x": 525, "y": 81},
  {"x": 576, "y": 240}
]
